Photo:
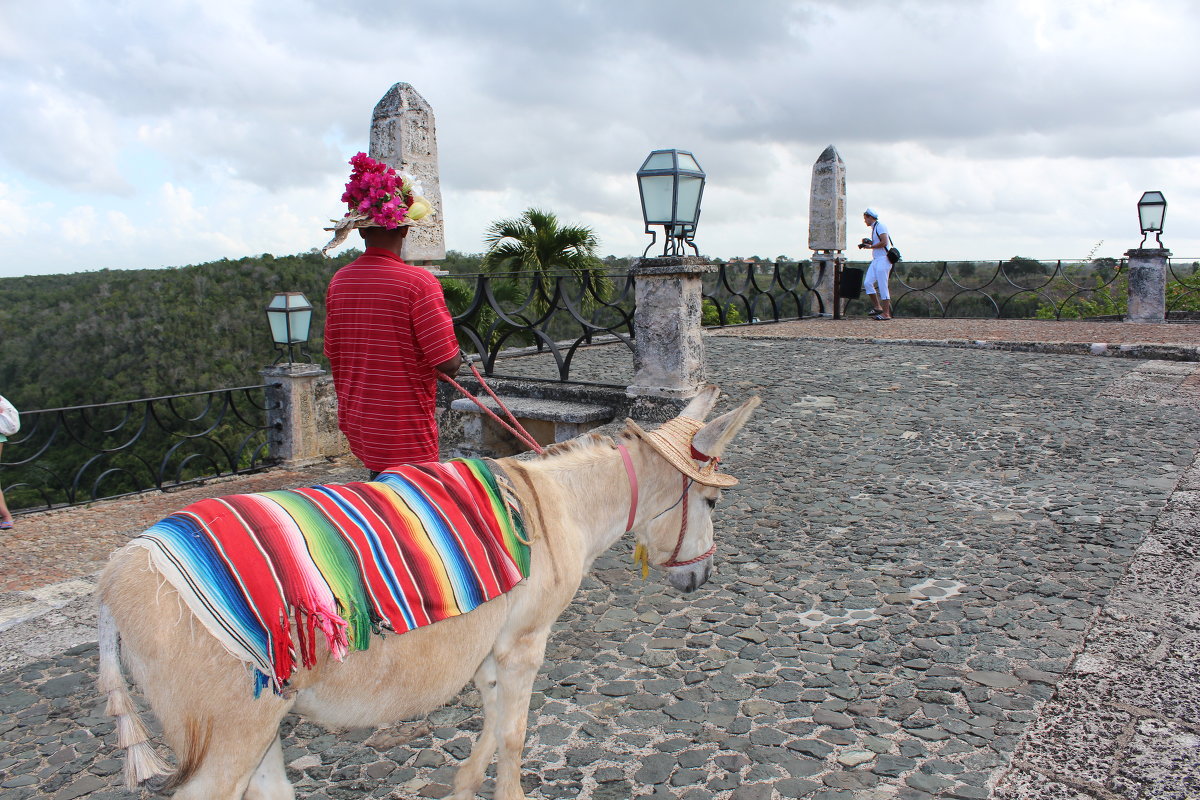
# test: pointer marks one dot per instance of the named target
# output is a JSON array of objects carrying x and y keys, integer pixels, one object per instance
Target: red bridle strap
[
  {"x": 671, "y": 562},
  {"x": 633, "y": 486},
  {"x": 633, "y": 503}
]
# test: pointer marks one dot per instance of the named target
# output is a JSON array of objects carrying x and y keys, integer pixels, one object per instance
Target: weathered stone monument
[
  {"x": 1147, "y": 285},
  {"x": 827, "y": 224},
  {"x": 404, "y": 136}
]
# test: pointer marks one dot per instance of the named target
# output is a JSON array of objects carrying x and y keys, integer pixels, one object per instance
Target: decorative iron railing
[
  {"x": 66, "y": 456},
  {"x": 1019, "y": 288},
  {"x": 499, "y": 316},
  {"x": 1183, "y": 286},
  {"x": 746, "y": 294},
  {"x": 502, "y": 315}
]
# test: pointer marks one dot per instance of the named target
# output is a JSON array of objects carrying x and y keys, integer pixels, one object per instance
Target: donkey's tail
[{"x": 141, "y": 762}]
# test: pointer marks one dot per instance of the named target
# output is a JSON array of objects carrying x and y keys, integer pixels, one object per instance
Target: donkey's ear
[
  {"x": 713, "y": 437},
  {"x": 703, "y": 403}
]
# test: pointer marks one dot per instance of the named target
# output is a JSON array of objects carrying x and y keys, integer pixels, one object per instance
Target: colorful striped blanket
[{"x": 421, "y": 543}]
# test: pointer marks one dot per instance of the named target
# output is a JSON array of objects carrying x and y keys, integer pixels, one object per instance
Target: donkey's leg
[
  {"x": 517, "y": 661},
  {"x": 270, "y": 781},
  {"x": 200, "y": 693},
  {"x": 470, "y": 774},
  {"x": 231, "y": 763}
]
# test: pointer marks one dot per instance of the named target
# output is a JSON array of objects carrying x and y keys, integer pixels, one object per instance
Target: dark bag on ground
[{"x": 851, "y": 286}]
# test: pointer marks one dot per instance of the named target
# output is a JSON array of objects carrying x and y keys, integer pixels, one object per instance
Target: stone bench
[{"x": 547, "y": 421}]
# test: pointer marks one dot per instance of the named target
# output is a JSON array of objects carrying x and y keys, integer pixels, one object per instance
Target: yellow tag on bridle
[{"x": 642, "y": 556}]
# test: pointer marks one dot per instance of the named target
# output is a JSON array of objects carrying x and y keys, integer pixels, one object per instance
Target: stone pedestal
[
  {"x": 404, "y": 136},
  {"x": 668, "y": 340},
  {"x": 825, "y": 283},
  {"x": 1147, "y": 285},
  {"x": 295, "y": 436}
]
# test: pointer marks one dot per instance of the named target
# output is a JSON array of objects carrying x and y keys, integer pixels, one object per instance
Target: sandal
[{"x": 6, "y": 526}]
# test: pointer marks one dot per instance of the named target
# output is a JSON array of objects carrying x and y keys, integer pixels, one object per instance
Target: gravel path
[
  {"x": 946, "y": 573},
  {"x": 988, "y": 330}
]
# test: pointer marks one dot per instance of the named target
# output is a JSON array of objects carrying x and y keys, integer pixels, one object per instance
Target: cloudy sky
[{"x": 146, "y": 133}]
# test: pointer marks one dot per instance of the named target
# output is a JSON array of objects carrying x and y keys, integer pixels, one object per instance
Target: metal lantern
[
  {"x": 290, "y": 315},
  {"x": 1152, "y": 208},
  {"x": 671, "y": 184}
]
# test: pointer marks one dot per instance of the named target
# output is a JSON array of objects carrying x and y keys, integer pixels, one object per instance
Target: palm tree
[
  {"x": 535, "y": 243},
  {"x": 535, "y": 249}
]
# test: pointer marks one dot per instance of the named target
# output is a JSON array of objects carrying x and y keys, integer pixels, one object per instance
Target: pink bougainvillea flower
[{"x": 375, "y": 189}]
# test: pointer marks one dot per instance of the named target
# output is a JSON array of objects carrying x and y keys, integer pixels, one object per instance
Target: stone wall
[{"x": 331, "y": 442}]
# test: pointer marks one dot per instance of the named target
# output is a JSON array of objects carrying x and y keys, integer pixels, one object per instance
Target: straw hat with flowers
[
  {"x": 378, "y": 196},
  {"x": 673, "y": 441}
]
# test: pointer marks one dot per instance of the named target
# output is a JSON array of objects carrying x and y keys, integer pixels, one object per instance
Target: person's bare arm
[{"x": 450, "y": 366}]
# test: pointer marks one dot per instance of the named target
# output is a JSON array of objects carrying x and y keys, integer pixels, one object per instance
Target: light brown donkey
[{"x": 576, "y": 502}]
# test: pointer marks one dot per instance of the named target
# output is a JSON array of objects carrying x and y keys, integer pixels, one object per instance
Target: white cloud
[
  {"x": 179, "y": 209},
  {"x": 985, "y": 129},
  {"x": 22, "y": 221},
  {"x": 61, "y": 137}
]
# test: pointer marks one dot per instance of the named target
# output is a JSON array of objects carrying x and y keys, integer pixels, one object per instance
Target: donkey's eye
[{"x": 712, "y": 502}]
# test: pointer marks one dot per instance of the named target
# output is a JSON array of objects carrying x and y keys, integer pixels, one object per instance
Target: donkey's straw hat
[{"x": 673, "y": 441}]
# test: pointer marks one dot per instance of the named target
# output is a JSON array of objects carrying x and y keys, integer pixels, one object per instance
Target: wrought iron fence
[
  {"x": 751, "y": 293},
  {"x": 66, "y": 456},
  {"x": 741, "y": 293},
  {"x": 1019, "y": 288},
  {"x": 498, "y": 316},
  {"x": 1183, "y": 287},
  {"x": 502, "y": 315}
]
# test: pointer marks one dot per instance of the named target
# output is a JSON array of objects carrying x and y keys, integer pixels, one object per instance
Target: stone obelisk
[
  {"x": 827, "y": 225},
  {"x": 404, "y": 136}
]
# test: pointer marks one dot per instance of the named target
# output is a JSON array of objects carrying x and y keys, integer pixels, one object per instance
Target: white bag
[{"x": 10, "y": 420}]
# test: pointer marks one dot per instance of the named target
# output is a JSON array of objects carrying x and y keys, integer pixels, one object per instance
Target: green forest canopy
[
  {"x": 109, "y": 335},
  {"x": 94, "y": 337}
]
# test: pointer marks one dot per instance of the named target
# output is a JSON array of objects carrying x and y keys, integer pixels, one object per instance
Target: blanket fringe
[{"x": 512, "y": 507}]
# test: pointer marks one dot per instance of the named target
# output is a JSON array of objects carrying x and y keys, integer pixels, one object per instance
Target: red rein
[{"x": 517, "y": 430}]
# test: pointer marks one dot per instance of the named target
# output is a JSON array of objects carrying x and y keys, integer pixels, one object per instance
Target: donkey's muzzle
[{"x": 690, "y": 577}]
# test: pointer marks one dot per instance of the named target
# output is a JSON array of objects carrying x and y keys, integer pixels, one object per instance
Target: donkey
[{"x": 578, "y": 499}]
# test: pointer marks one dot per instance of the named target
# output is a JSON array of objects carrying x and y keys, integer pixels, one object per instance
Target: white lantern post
[
  {"x": 1152, "y": 209},
  {"x": 1148, "y": 266},
  {"x": 290, "y": 315},
  {"x": 671, "y": 185}
]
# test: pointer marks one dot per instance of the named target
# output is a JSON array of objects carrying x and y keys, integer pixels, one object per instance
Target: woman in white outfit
[{"x": 875, "y": 282}]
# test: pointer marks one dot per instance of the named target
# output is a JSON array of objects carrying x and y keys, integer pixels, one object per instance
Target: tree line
[{"x": 109, "y": 335}]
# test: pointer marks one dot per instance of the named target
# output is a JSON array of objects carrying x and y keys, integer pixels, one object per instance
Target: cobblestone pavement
[{"x": 946, "y": 573}]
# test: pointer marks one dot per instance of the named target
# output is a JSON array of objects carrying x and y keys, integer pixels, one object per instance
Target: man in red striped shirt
[{"x": 387, "y": 334}]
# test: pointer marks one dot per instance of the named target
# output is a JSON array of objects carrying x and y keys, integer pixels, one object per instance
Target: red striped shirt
[{"x": 386, "y": 327}]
